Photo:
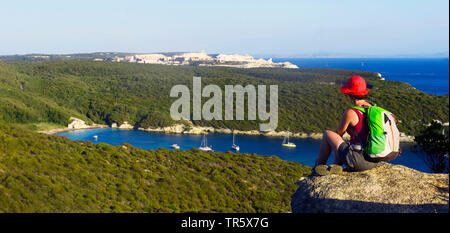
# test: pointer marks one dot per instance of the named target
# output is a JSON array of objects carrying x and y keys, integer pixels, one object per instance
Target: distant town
[
  {"x": 172, "y": 58},
  {"x": 203, "y": 59}
]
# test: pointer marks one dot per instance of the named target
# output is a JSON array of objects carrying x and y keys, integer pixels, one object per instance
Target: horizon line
[{"x": 441, "y": 55}]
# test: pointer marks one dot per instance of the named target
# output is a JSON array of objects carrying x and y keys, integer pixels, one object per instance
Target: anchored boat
[
  {"x": 286, "y": 142},
  {"x": 234, "y": 146},
  {"x": 204, "y": 145}
]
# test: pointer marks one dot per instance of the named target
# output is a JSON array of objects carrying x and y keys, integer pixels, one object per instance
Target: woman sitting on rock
[{"x": 346, "y": 153}]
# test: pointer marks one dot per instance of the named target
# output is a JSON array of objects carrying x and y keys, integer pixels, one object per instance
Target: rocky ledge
[{"x": 385, "y": 189}]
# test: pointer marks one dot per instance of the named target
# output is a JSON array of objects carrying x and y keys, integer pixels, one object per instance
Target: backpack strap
[{"x": 363, "y": 109}]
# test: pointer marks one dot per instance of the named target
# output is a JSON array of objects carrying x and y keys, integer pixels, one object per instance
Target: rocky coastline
[
  {"x": 191, "y": 129},
  {"x": 78, "y": 124}
]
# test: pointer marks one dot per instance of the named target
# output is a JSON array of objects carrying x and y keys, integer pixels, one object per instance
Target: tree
[{"x": 432, "y": 145}]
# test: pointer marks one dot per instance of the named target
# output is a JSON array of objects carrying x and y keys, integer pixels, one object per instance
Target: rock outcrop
[
  {"x": 74, "y": 124},
  {"x": 77, "y": 124},
  {"x": 126, "y": 125},
  {"x": 385, "y": 189},
  {"x": 178, "y": 129}
]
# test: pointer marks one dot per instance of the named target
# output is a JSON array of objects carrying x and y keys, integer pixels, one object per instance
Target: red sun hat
[{"x": 356, "y": 85}]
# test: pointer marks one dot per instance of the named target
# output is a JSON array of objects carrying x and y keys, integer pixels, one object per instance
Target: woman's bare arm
[{"x": 348, "y": 117}]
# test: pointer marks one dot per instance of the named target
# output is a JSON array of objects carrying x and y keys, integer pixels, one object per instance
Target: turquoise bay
[{"x": 305, "y": 152}]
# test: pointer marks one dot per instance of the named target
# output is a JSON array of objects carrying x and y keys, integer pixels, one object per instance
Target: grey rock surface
[{"x": 385, "y": 189}]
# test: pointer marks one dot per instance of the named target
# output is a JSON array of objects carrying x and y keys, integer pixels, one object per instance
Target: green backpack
[{"x": 384, "y": 137}]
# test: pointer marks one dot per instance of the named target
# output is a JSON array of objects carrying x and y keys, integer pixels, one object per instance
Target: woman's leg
[{"x": 330, "y": 142}]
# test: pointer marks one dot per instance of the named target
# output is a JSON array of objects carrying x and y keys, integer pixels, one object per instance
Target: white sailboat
[
  {"x": 234, "y": 146},
  {"x": 175, "y": 146},
  {"x": 286, "y": 142},
  {"x": 204, "y": 145},
  {"x": 95, "y": 137}
]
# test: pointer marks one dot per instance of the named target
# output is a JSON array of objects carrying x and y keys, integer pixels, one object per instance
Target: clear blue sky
[{"x": 275, "y": 28}]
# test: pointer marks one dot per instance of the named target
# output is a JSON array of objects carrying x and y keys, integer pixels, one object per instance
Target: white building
[
  {"x": 234, "y": 58},
  {"x": 130, "y": 59},
  {"x": 117, "y": 59},
  {"x": 151, "y": 58}
]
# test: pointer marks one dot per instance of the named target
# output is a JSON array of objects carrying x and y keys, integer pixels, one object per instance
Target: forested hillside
[
  {"x": 45, "y": 173},
  {"x": 34, "y": 93}
]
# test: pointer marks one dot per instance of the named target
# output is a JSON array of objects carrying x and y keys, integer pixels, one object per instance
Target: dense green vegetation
[
  {"x": 45, "y": 173},
  {"x": 432, "y": 146},
  {"x": 104, "y": 92}
]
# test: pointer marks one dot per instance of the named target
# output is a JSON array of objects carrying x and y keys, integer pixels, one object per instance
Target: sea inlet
[{"x": 305, "y": 152}]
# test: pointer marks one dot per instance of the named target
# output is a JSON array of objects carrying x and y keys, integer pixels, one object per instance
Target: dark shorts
[{"x": 354, "y": 159}]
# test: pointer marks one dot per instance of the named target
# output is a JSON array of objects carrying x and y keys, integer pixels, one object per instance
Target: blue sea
[
  {"x": 305, "y": 153},
  {"x": 428, "y": 75}
]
